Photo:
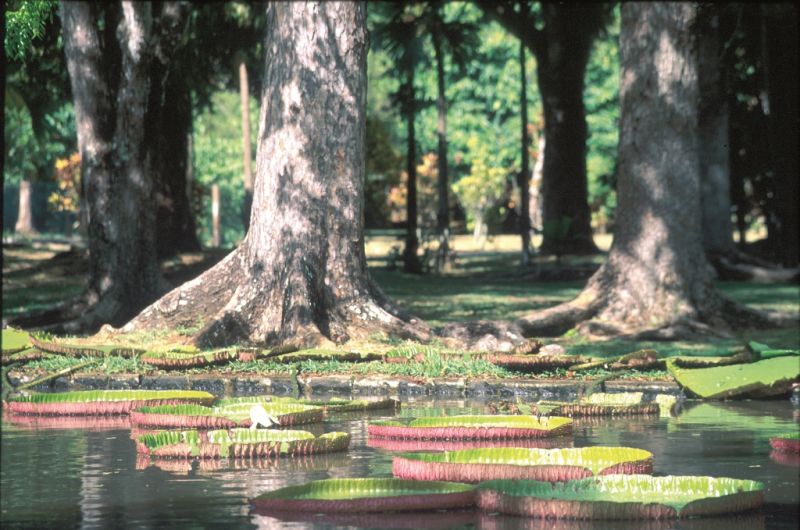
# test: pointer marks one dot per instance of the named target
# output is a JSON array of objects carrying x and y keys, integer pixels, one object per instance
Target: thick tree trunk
[
  {"x": 24, "y": 225},
  {"x": 443, "y": 184},
  {"x": 714, "y": 141},
  {"x": 780, "y": 21},
  {"x": 110, "y": 77},
  {"x": 247, "y": 157},
  {"x": 524, "y": 175},
  {"x": 656, "y": 283},
  {"x": 170, "y": 120},
  {"x": 411, "y": 262},
  {"x": 300, "y": 276},
  {"x": 561, "y": 66}
]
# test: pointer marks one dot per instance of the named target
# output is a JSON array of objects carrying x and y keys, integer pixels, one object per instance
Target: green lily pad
[
  {"x": 477, "y": 465},
  {"x": 621, "y": 497},
  {"x": 228, "y": 416},
  {"x": 472, "y": 427},
  {"x": 769, "y": 377},
  {"x": 15, "y": 340},
  {"x": 767, "y": 352},
  {"x": 91, "y": 402},
  {"x": 366, "y": 495},
  {"x": 239, "y": 443}
]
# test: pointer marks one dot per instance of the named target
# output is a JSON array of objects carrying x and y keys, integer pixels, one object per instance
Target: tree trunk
[
  {"x": 170, "y": 120},
  {"x": 300, "y": 276},
  {"x": 110, "y": 77},
  {"x": 780, "y": 22},
  {"x": 244, "y": 93},
  {"x": 714, "y": 141},
  {"x": 443, "y": 184},
  {"x": 524, "y": 175},
  {"x": 535, "y": 194},
  {"x": 411, "y": 262},
  {"x": 656, "y": 282},
  {"x": 24, "y": 225},
  {"x": 560, "y": 68}
]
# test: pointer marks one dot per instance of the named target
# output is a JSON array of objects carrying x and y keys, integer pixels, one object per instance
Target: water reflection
[
  {"x": 753, "y": 521},
  {"x": 411, "y": 521},
  {"x": 68, "y": 473}
]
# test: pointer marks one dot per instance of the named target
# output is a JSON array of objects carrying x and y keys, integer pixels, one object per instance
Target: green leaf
[
  {"x": 15, "y": 340},
  {"x": 769, "y": 377},
  {"x": 624, "y": 496},
  {"x": 363, "y": 488}
]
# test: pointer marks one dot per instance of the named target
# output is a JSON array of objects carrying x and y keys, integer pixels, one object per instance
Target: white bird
[{"x": 259, "y": 416}]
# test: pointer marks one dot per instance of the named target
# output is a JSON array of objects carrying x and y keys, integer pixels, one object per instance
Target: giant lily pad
[
  {"x": 239, "y": 443},
  {"x": 332, "y": 405},
  {"x": 225, "y": 417},
  {"x": 81, "y": 350},
  {"x": 366, "y": 495},
  {"x": 178, "y": 360},
  {"x": 603, "y": 404},
  {"x": 407, "y": 446},
  {"x": 621, "y": 497},
  {"x": 81, "y": 423},
  {"x": 472, "y": 428},
  {"x": 92, "y": 402},
  {"x": 14, "y": 340},
  {"x": 786, "y": 443},
  {"x": 477, "y": 465},
  {"x": 770, "y": 377}
]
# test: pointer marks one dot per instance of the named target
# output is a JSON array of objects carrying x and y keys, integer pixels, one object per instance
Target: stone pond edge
[{"x": 347, "y": 385}]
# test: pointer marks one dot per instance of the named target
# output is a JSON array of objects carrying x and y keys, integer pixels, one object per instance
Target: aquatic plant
[
  {"x": 239, "y": 443},
  {"x": 472, "y": 428},
  {"x": 603, "y": 404},
  {"x": 93, "y": 402},
  {"x": 621, "y": 497},
  {"x": 332, "y": 405},
  {"x": 82, "y": 423},
  {"x": 366, "y": 495},
  {"x": 390, "y": 444},
  {"x": 770, "y": 377},
  {"x": 786, "y": 443},
  {"x": 14, "y": 340},
  {"x": 80, "y": 350},
  {"x": 177, "y": 360},
  {"x": 533, "y": 363},
  {"x": 225, "y": 417},
  {"x": 553, "y": 465}
]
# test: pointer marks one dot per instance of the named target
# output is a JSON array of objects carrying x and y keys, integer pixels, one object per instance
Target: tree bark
[
  {"x": 411, "y": 262},
  {"x": 714, "y": 141},
  {"x": 24, "y": 225},
  {"x": 244, "y": 93},
  {"x": 656, "y": 283},
  {"x": 300, "y": 277},
  {"x": 443, "y": 184},
  {"x": 524, "y": 175},
  {"x": 560, "y": 69},
  {"x": 780, "y": 21},
  {"x": 110, "y": 76},
  {"x": 170, "y": 121}
]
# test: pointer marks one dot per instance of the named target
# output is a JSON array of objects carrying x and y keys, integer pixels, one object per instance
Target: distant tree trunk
[
  {"x": 24, "y": 225},
  {"x": 170, "y": 121},
  {"x": 244, "y": 93},
  {"x": 535, "y": 194},
  {"x": 443, "y": 184},
  {"x": 656, "y": 282},
  {"x": 780, "y": 22},
  {"x": 411, "y": 262},
  {"x": 110, "y": 76},
  {"x": 525, "y": 174},
  {"x": 714, "y": 141},
  {"x": 300, "y": 276},
  {"x": 560, "y": 71}
]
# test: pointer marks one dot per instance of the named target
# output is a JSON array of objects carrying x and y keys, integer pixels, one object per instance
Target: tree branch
[{"x": 521, "y": 25}]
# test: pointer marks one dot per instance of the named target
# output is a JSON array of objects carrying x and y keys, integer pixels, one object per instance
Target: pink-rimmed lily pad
[
  {"x": 472, "y": 428},
  {"x": 225, "y": 417},
  {"x": 239, "y": 443},
  {"x": 356, "y": 495},
  {"x": 553, "y": 465},
  {"x": 621, "y": 497},
  {"x": 82, "y": 423},
  {"x": 410, "y": 446},
  {"x": 101, "y": 402},
  {"x": 787, "y": 443}
]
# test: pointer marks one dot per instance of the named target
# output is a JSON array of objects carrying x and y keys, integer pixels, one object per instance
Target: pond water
[{"x": 88, "y": 476}]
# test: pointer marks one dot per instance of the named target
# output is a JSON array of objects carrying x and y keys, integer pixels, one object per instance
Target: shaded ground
[{"x": 485, "y": 285}]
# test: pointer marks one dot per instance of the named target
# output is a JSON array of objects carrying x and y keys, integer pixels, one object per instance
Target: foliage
[
  {"x": 68, "y": 176},
  {"x": 25, "y": 21},
  {"x": 217, "y": 138},
  {"x": 481, "y": 189}
]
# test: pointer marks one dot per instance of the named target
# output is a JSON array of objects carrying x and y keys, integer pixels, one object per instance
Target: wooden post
[{"x": 216, "y": 237}]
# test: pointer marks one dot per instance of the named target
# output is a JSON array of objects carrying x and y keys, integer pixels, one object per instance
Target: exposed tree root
[{"x": 739, "y": 266}]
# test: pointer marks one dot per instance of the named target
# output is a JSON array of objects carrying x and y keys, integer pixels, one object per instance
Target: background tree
[
  {"x": 300, "y": 276},
  {"x": 110, "y": 49},
  {"x": 560, "y": 36},
  {"x": 656, "y": 282}
]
